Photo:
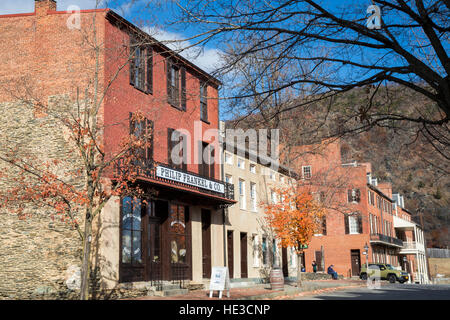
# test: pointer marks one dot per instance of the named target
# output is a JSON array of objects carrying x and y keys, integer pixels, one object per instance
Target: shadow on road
[{"x": 391, "y": 292}]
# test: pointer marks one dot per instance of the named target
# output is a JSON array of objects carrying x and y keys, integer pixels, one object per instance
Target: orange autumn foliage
[{"x": 295, "y": 218}]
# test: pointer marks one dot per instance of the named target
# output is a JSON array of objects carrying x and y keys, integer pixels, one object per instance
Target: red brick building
[
  {"x": 360, "y": 211},
  {"x": 40, "y": 52}
]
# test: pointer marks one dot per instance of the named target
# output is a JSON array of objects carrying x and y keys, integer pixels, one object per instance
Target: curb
[{"x": 294, "y": 291}]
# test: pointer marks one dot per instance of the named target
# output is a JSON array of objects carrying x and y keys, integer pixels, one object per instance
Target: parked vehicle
[{"x": 386, "y": 272}]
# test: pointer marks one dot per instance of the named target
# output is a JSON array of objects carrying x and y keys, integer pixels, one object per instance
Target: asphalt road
[{"x": 387, "y": 292}]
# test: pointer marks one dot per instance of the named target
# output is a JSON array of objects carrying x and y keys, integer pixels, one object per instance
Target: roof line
[{"x": 119, "y": 18}]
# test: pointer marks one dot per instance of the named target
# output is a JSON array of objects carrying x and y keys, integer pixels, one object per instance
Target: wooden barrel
[{"x": 276, "y": 279}]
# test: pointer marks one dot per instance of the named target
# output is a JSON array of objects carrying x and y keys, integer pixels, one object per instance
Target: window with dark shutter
[
  {"x": 324, "y": 225},
  {"x": 149, "y": 134},
  {"x": 132, "y": 58},
  {"x": 357, "y": 195},
  {"x": 183, "y": 89},
  {"x": 206, "y": 166},
  {"x": 211, "y": 164},
  {"x": 203, "y": 101},
  {"x": 149, "y": 70},
  {"x": 360, "y": 227},
  {"x": 178, "y": 140},
  {"x": 142, "y": 130},
  {"x": 141, "y": 66},
  {"x": 347, "y": 227},
  {"x": 173, "y": 84},
  {"x": 169, "y": 146},
  {"x": 353, "y": 195},
  {"x": 349, "y": 195}
]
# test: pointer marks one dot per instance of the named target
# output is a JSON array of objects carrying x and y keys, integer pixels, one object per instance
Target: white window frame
[
  {"x": 353, "y": 218},
  {"x": 239, "y": 161},
  {"x": 303, "y": 172},
  {"x": 253, "y": 196},
  {"x": 253, "y": 168},
  {"x": 228, "y": 158},
  {"x": 242, "y": 197},
  {"x": 272, "y": 175},
  {"x": 228, "y": 178},
  {"x": 273, "y": 197},
  {"x": 354, "y": 197}
]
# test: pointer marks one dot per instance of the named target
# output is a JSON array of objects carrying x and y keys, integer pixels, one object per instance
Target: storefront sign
[
  {"x": 220, "y": 281},
  {"x": 186, "y": 178}
]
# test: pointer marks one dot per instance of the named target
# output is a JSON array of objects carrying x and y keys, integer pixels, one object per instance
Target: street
[{"x": 386, "y": 292}]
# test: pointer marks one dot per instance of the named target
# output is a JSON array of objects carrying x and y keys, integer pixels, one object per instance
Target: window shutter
[
  {"x": 183, "y": 88},
  {"x": 183, "y": 140},
  {"x": 349, "y": 195},
  {"x": 324, "y": 226},
  {"x": 132, "y": 58},
  {"x": 347, "y": 228},
  {"x": 131, "y": 123},
  {"x": 149, "y": 70},
  {"x": 358, "y": 195},
  {"x": 168, "y": 72},
  {"x": 169, "y": 145},
  {"x": 360, "y": 228},
  {"x": 149, "y": 126},
  {"x": 211, "y": 166}
]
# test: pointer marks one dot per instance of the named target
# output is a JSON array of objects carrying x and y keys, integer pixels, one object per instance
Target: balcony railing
[
  {"x": 147, "y": 169},
  {"x": 409, "y": 245},
  {"x": 378, "y": 237}
]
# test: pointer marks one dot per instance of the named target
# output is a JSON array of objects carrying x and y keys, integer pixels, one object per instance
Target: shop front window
[
  {"x": 177, "y": 228},
  {"x": 131, "y": 230}
]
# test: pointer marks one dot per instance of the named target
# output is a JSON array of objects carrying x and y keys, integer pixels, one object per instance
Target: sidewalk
[{"x": 263, "y": 291}]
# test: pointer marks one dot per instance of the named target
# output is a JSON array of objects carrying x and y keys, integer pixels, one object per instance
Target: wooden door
[
  {"x": 162, "y": 213},
  {"x": 356, "y": 262},
  {"x": 230, "y": 253},
  {"x": 244, "y": 272},
  {"x": 285, "y": 262},
  {"x": 206, "y": 243},
  {"x": 153, "y": 249},
  {"x": 320, "y": 267}
]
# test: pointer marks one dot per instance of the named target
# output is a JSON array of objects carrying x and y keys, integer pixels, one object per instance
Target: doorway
[
  {"x": 230, "y": 253},
  {"x": 356, "y": 262},
  {"x": 244, "y": 272},
  {"x": 206, "y": 243},
  {"x": 319, "y": 260},
  {"x": 284, "y": 257}
]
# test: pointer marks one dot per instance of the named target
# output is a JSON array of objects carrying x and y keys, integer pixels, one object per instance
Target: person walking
[{"x": 314, "y": 265}]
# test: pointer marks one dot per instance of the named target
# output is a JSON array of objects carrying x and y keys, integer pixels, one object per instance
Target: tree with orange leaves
[{"x": 294, "y": 220}]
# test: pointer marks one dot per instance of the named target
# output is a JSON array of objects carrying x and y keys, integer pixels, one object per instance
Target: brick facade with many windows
[{"x": 173, "y": 235}]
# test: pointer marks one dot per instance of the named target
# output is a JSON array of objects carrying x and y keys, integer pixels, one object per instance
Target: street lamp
[{"x": 366, "y": 250}]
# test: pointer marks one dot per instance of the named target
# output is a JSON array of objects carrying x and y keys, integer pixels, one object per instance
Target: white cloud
[
  {"x": 206, "y": 58},
  {"x": 25, "y": 6}
]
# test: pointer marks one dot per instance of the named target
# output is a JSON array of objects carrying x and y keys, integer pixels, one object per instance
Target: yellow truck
[{"x": 384, "y": 272}]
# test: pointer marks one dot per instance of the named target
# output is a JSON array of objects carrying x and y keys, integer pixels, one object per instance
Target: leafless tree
[{"x": 330, "y": 51}]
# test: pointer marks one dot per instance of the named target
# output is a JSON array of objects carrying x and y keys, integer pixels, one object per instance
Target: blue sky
[{"x": 151, "y": 21}]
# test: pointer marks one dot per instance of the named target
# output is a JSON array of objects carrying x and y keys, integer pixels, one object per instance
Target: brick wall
[{"x": 45, "y": 62}]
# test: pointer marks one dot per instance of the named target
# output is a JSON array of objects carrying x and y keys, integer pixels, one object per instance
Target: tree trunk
[
  {"x": 85, "y": 264},
  {"x": 299, "y": 269}
]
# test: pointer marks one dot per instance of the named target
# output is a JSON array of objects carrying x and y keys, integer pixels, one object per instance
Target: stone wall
[{"x": 35, "y": 252}]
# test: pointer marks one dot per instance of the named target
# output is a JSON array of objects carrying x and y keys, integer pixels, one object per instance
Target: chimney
[{"x": 41, "y": 7}]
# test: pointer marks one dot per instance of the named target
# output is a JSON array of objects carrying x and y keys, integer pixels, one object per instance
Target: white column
[{"x": 421, "y": 268}]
